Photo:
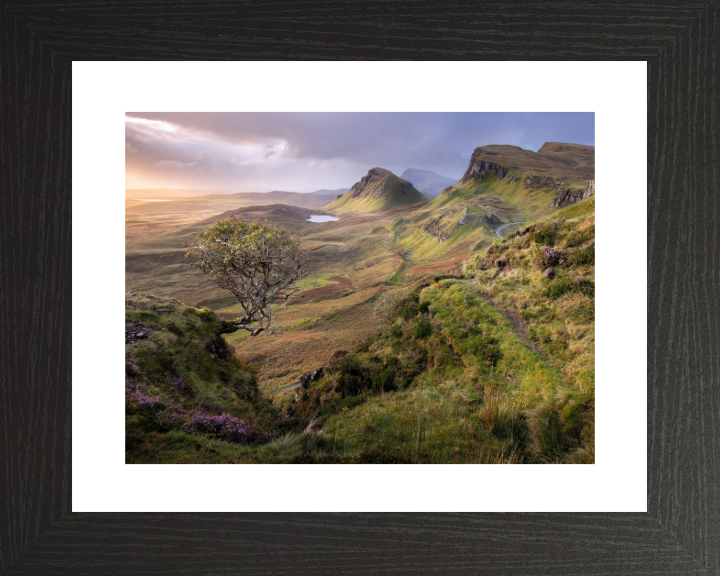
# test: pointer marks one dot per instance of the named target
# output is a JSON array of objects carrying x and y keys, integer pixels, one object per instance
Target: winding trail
[
  {"x": 521, "y": 329},
  {"x": 291, "y": 387},
  {"x": 497, "y": 230}
]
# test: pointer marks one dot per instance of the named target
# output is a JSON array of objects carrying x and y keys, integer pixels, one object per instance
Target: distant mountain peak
[
  {"x": 377, "y": 191},
  {"x": 428, "y": 182},
  {"x": 418, "y": 171}
]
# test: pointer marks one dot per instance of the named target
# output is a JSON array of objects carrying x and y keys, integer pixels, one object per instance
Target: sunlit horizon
[{"x": 303, "y": 152}]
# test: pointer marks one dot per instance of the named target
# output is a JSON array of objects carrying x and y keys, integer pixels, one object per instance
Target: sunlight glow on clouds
[
  {"x": 158, "y": 124},
  {"x": 177, "y": 164},
  {"x": 307, "y": 151}
]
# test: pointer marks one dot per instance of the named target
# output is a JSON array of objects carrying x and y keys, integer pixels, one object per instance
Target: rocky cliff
[
  {"x": 478, "y": 167},
  {"x": 569, "y": 196},
  {"x": 540, "y": 181}
]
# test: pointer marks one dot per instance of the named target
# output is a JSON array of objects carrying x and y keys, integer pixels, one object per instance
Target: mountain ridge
[
  {"x": 379, "y": 190},
  {"x": 502, "y": 184}
]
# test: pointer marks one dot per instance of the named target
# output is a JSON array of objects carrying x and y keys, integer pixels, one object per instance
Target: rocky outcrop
[
  {"x": 476, "y": 219},
  {"x": 375, "y": 184},
  {"x": 540, "y": 181},
  {"x": 569, "y": 196},
  {"x": 493, "y": 221},
  {"x": 473, "y": 219},
  {"x": 435, "y": 229},
  {"x": 566, "y": 198},
  {"x": 312, "y": 376},
  {"x": 479, "y": 168},
  {"x": 305, "y": 379},
  {"x": 136, "y": 330},
  {"x": 442, "y": 226},
  {"x": 477, "y": 171},
  {"x": 590, "y": 190},
  {"x": 367, "y": 181}
]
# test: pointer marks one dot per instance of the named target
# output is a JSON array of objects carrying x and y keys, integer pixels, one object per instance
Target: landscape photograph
[{"x": 359, "y": 288}]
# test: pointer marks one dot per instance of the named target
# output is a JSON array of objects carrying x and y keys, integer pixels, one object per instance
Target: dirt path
[
  {"x": 521, "y": 329},
  {"x": 291, "y": 387},
  {"x": 497, "y": 230}
]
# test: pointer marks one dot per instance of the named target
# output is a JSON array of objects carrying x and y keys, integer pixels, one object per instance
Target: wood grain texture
[{"x": 681, "y": 532}]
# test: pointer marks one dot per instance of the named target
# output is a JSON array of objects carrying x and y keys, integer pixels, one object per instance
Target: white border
[{"x": 103, "y": 91}]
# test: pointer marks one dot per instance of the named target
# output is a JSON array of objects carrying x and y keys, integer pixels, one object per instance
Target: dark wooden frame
[{"x": 680, "y": 533}]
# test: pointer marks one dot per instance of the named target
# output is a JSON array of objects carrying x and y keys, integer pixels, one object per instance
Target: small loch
[{"x": 321, "y": 218}]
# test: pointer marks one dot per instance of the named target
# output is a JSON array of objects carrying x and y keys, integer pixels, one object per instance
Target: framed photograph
[
  {"x": 365, "y": 326},
  {"x": 451, "y": 328}
]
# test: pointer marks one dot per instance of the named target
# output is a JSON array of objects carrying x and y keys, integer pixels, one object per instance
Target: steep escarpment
[
  {"x": 557, "y": 175},
  {"x": 479, "y": 167},
  {"x": 555, "y": 160},
  {"x": 377, "y": 191},
  {"x": 502, "y": 184}
]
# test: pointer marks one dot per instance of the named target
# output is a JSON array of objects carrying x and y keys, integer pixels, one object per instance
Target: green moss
[
  {"x": 545, "y": 234},
  {"x": 422, "y": 329},
  {"x": 395, "y": 279},
  {"x": 583, "y": 257},
  {"x": 146, "y": 316},
  {"x": 186, "y": 364},
  {"x": 175, "y": 329}
]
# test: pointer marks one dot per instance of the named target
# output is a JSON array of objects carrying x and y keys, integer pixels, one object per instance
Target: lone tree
[{"x": 258, "y": 262}]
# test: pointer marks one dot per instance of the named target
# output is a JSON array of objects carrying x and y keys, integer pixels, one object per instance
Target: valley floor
[
  {"x": 457, "y": 351},
  {"x": 354, "y": 261}
]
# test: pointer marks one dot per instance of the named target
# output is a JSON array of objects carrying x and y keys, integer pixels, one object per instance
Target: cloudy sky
[{"x": 303, "y": 152}]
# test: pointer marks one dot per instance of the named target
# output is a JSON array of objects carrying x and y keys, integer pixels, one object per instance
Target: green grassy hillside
[
  {"x": 527, "y": 180},
  {"x": 377, "y": 191},
  {"x": 545, "y": 276},
  {"x": 440, "y": 342},
  {"x": 455, "y": 222},
  {"x": 494, "y": 366},
  {"x": 188, "y": 398},
  {"x": 502, "y": 184}
]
